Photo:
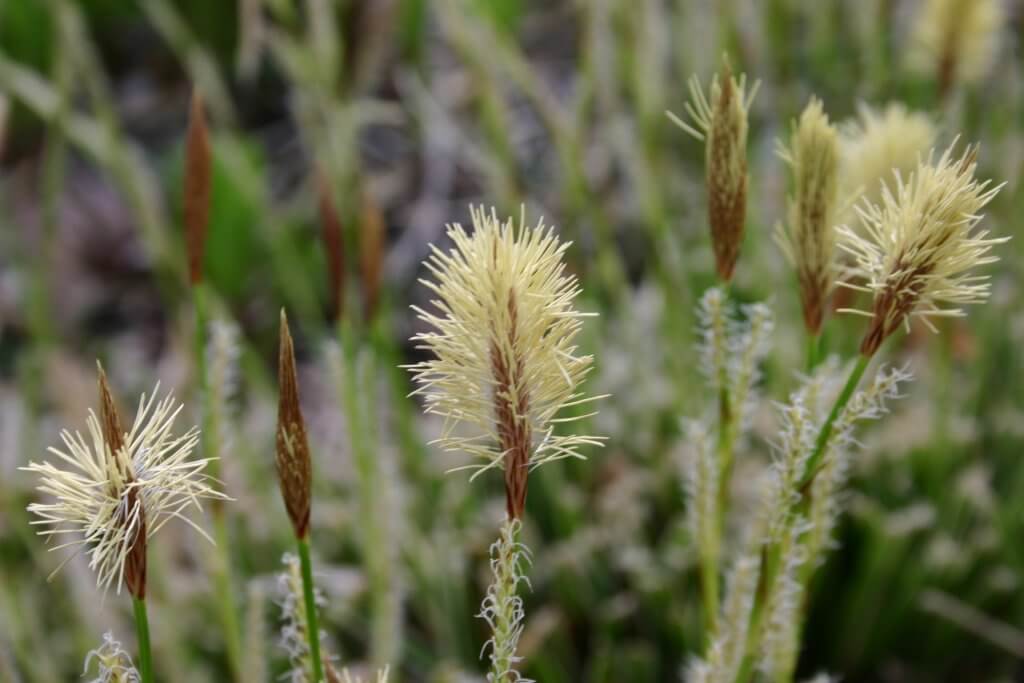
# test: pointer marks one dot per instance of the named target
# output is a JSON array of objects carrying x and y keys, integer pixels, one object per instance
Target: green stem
[
  {"x": 813, "y": 350},
  {"x": 145, "y": 652},
  {"x": 814, "y": 462},
  {"x": 771, "y": 558},
  {"x": 709, "y": 591},
  {"x": 226, "y": 607},
  {"x": 726, "y": 442},
  {"x": 312, "y": 626}
]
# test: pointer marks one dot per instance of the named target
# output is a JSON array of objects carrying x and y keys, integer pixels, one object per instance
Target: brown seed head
[
  {"x": 198, "y": 181},
  {"x": 334, "y": 243},
  {"x": 294, "y": 470},
  {"x": 720, "y": 120}
]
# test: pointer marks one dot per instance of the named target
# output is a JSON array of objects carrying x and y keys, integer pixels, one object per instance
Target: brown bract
[
  {"x": 511, "y": 406},
  {"x": 198, "y": 182},
  {"x": 113, "y": 436},
  {"x": 294, "y": 470},
  {"x": 726, "y": 178},
  {"x": 371, "y": 254}
]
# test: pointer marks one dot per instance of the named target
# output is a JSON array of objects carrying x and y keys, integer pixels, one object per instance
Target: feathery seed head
[
  {"x": 505, "y": 362},
  {"x": 809, "y": 239},
  {"x": 198, "y": 182},
  {"x": 880, "y": 142},
  {"x": 294, "y": 469},
  {"x": 721, "y": 122},
  {"x": 920, "y": 245},
  {"x": 956, "y": 40},
  {"x": 122, "y": 487}
]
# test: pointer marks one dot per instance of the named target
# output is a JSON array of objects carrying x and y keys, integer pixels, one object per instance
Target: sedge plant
[
  {"x": 198, "y": 185},
  {"x": 504, "y": 365},
  {"x": 295, "y": 476},
  {"x": 119, "y": 489},
  {"x": 915, "y": 255},
  {"x": 720, "y": 122}
]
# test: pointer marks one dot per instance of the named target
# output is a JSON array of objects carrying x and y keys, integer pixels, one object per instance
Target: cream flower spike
[
  {"x": 957, "y": 40},
  {"x": 920, "y": 246},
  {"x": 117, "y": 497},
  {"x": 877, "y": 143},
  {"x": 505, "y": 361},
  {"x": 808, "y": 238}
]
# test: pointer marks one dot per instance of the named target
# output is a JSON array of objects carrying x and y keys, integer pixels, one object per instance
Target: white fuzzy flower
[
  {"x": 112, "y": 498},
  {"x": 503, "y": 340},
  {"x": 956, "y": 39},
  {"x": 113, "y": 663},
  {"x": 919, "y": 246}
]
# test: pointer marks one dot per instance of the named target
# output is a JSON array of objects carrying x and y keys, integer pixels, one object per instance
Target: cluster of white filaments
[
  {"x": 105, "y": 496},
  {"x": 503, "y": 334},
  {"x": 920, "y": 244},
  {"x": 503, "y": 607},
  {"x": 113, "y": 664}
]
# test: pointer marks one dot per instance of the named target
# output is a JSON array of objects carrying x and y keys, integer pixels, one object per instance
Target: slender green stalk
[
  {"x": 726, "y": 441},
  {"x": 226, "y": 607},
  {"x": 813, "y": 350},
  {"x": 145, "y": 651},
  {"x": 312, "y": 626},
  {"x": 360, "y": 404},
  {"x": 709, "y": 591},
  {"x": 771, "y": 557},
  {"x": 814, "y": 462}
]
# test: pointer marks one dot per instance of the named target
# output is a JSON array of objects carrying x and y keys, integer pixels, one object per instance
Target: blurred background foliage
[{"x": 402, "y": 113}]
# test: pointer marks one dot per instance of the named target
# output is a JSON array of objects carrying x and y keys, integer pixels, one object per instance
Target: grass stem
[
  {"x": 814, "y": 462},
  {"x": 226, "y": 606},
  {"x": 312, "y": 625},
  {"x": 145, "y": 651},
  {"x": 813, "y": 351}
]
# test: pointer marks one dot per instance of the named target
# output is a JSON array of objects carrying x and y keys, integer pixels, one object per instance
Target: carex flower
[
  {"x": 119, "y": 487},
  {"x": 921, "y": 245},
  {"x": 808, "y": 239},
  {"x": 294, "y": 465},
  {"x": 956, "y": 40},
  {"x": 721, "y": 122},
  {"x": 879, "y": 142},
  {"x": 504, "y": 360}
]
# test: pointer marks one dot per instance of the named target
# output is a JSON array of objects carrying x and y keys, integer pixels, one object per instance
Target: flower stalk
[
  {"x": 198, "y": 187},
  {"x": 504, "y": 364},
  {"x": 295, "y": 476},
  {"x": 145, "y": 649}
]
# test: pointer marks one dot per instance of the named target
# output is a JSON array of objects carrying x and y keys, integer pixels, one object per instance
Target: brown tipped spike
[
  {"x": 371, "y": 254},
  {"x": 197, "y": 185},
  {"x": 294, "y": 470},
  {"x": 334, "y": 243},
  {"x": 113, "y": 436},
  {"x": 110, "y": 418}
]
